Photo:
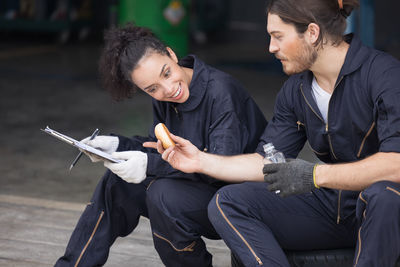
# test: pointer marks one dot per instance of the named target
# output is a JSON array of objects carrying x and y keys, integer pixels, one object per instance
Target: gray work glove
[{"x": 292, "y": 177}]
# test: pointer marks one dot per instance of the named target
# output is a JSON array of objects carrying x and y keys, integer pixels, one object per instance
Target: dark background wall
[
  {"x": 220, "y": 20},
  {"x": 387, "y": 31}
]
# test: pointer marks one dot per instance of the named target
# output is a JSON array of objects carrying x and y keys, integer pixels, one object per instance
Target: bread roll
[{"x": 162, "y": 134}]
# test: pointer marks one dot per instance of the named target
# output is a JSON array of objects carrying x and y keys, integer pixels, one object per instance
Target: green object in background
[{"x": 168, "y": 19}]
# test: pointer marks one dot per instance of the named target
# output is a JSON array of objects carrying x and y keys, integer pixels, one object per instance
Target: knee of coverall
[
  {"x": 165, "y": 216},
  {"x": 212, "y": 210},
  {"x": 217, "y": 206},
  {"x": 382, "y": 197},
  {"x": 159, "y": 195},
  {"x": 165, "y": 208}
]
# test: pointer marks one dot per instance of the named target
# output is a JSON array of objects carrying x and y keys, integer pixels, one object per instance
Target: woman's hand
[
  {"x": 132, "y": 168},
  {"x": 105, "y": 143}
]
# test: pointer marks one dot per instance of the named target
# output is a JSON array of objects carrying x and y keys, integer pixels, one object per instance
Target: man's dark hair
[
  {"x": 329, "y": 15},
  {"x": 123, "y": 49}
]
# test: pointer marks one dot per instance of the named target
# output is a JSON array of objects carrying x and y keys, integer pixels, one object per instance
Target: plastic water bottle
[{"x": 272, "y": 154}]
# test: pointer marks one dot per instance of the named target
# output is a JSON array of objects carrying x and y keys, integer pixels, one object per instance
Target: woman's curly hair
[{"x": 123, "y": 49}]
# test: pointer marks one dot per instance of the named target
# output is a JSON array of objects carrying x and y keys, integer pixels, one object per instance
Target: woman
[{"x": 193, "y": 100}]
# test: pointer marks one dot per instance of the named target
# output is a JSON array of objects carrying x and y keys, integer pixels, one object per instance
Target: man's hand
[
  {"x": 292, "y": 177},
  {"x": 132, "y": 169},
  {"x": 184, "y": 156},
  {"x": 107, "y": 144}
]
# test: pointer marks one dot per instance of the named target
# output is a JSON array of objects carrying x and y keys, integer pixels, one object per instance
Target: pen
[{"x": 94, "y": 134}]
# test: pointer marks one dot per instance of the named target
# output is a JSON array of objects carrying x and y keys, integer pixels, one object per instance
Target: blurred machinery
[{"x": 61, "y": 17}]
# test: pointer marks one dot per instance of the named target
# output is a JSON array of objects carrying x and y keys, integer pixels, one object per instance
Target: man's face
[{"x": 293, "y": 50}]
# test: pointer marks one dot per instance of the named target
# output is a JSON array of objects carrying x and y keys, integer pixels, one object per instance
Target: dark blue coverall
[
  {"x": 363, "y": 119},
  {"x": 219, "y": 117}
]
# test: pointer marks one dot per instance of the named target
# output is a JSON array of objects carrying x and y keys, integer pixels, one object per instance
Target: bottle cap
[{"x": 268, "y": 147}]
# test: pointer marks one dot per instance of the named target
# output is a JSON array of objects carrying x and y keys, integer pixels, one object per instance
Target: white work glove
[
  {"x": 133, "y": 167},
  {"x": 105, "y": 143}
]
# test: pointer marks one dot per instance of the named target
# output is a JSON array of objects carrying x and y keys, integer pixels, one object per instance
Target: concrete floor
[
  {"x": 34, "y": 232},
  {"x": 42, "y": 83}
]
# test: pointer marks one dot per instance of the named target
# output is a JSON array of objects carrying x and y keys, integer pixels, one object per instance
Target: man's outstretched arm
[{"x": 187, "y": 158}]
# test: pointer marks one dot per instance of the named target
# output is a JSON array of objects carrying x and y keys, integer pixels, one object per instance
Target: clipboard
[{"x": 71, "y": 141}]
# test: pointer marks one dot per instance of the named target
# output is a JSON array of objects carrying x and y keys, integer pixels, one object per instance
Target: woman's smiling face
[{"x": 162, "y": 78}]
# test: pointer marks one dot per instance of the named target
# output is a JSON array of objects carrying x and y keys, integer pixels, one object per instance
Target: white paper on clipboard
[{"x": 80, "y": 145}]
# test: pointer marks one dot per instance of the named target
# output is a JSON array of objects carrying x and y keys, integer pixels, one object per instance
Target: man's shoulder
[
  {"x": 382, "y": 59},
  {"x": 372, "y": 59},
  {"x": 290, "y": 92},
  {"x": 295, "y": 82},
  {"x": 379, "y": 67}
]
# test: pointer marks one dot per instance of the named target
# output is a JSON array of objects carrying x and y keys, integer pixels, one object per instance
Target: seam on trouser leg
[
  {"x": 359, "y": 246},
  {"x": 393, "y": 190},
  {"x": 237, "y": 232},
  {"x": 188, "y": 248},
  {"x": 359, "y": 230},
  {"x": 362, "y": 198},
  {"x": 90, "y": 238}
]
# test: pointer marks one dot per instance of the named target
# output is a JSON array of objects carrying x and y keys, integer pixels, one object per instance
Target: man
[{"x": 343, "y": 98}]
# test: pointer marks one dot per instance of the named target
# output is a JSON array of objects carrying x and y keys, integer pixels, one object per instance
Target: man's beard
[{"x": 303, "y": 60}]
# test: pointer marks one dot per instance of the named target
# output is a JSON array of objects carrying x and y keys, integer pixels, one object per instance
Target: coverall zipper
[
  {"x": 309, "y": 105},
  {"x": 393, "y": 190},
  {"x": 329, "y": 137},
  {"x": 338, "y": 207},
  {"x": 151, "y": 182},
  {"x": 359, "y": 231},
  {"x": 359, "y": 246},
  {"x": 90, "y": 238},
  {"x": 327, "y": 120},
  {"x": 238, "y": 233},
  {"x": 177, "y": 112},
  {"x": 299, "y": 123},
  {"x": 331, "y": 147},
  {"x": 188, "y": 248},
  {"x": 316, "y": 114},
  {"x": 365, "y": 138}
]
